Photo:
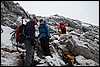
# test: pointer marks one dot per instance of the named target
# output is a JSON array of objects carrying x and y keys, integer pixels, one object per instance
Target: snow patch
[
  {"x": 85, "y": 62},
  {"x": 5, "y": 36}
]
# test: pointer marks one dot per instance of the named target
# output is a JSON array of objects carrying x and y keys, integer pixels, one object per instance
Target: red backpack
[{"x": 20, "y": 33}]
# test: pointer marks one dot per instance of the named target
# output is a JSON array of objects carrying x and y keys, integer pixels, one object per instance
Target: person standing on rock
[
  {"x": 62, "y": 27},
  {"x": 30, "y": 39},
  {"x": 44, "y": 35}
]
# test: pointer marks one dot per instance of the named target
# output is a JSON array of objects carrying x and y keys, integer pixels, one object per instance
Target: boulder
[
  {"x": 77, "y": 47},
  {"x": 82, "y": 61}
]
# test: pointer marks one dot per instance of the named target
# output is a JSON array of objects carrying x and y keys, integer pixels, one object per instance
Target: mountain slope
[{"x": 81, "y": 39}]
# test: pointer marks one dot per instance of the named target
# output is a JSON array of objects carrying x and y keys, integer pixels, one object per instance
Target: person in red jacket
[{"x": 62, "y": 27}]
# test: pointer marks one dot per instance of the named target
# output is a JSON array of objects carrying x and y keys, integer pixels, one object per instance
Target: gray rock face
[
  {"x": 15, "y": 8},
  {"x": 9, "y": 13}
]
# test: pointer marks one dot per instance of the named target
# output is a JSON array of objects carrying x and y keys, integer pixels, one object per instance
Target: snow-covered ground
[
  {"x": 84, "y": 46},
  {"x": 7, "y": 58},
  {"x": 85, "y": 62},
  {"x": 12, "y": 59},
  {"x": 5, "y": 36},
  {"x": 58, "y": 41}
]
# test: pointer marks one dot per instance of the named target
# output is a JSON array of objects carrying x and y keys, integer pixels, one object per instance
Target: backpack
[{"x": 20, "y": 33}]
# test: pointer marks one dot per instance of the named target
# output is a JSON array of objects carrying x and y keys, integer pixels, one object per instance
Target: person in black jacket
[{"x": 29, "y": 42}]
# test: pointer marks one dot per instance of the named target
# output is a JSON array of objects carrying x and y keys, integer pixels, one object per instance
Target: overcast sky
[{"x": 86, "y": 11}]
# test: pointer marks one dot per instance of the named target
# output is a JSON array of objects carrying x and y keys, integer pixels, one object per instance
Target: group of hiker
[{"x": 44, "y": 35}]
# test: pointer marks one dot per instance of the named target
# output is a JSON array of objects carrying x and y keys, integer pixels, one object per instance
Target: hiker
[
  {"x": 62, "y": 27},
  {"x": 29, "y": 41},
  {"x": 44, "y": 35}
]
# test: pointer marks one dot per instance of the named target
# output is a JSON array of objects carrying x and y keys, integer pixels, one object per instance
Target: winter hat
[{"x": 41, "y": 20}]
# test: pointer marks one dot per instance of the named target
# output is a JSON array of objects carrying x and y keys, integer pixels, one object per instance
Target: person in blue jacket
[
  {"x": 44, "y": 35},
  {"x": 29, "y": 41}
]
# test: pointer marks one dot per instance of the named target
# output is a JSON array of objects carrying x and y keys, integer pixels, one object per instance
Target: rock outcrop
[{"x": 10, "y": 12}]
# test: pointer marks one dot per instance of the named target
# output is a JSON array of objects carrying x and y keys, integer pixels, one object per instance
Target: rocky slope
[
  {"x": 10, "y": 12},
  {"x": 81, "y": 39}
]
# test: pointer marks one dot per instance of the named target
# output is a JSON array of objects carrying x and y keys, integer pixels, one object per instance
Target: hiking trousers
[
  {"x": 45, "y": 45},
  {"x": 63, "y": 30},
  {"x": 29, "y": 53}
]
